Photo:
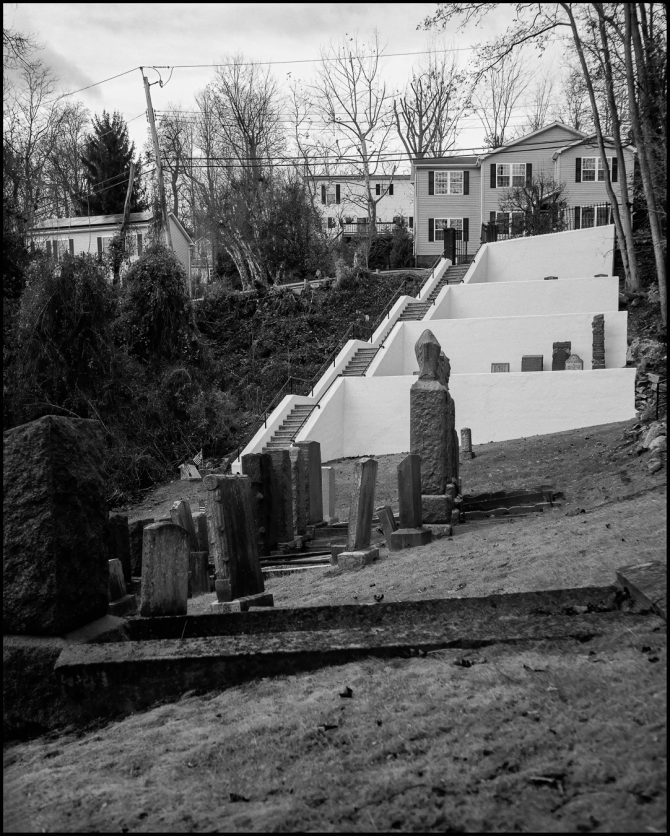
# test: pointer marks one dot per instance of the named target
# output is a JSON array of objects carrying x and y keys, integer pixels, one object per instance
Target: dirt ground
[{"x": 543, "y": 737}]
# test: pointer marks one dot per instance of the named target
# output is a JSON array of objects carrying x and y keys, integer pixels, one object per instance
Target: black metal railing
[
  {"x": 545, "y": 221},
  {"x": 455, "y": 245},
  {"x": 363, "y": 228}
]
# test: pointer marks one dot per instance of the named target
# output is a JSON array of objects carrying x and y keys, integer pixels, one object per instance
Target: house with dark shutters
[{"x": 464, "y": 192}]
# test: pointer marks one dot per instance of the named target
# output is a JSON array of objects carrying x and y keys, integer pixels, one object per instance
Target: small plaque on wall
[
  {"x": 499, "y": 367},
  {"x": 532, "y": 363}
]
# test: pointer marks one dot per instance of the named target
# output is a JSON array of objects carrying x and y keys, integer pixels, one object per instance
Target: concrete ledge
[
  {"x": 261, "y": 599},
  {"x": 357, "y": 559},
  {"x": 647, "y": 584},
  {"x": 407, "y": 538}
]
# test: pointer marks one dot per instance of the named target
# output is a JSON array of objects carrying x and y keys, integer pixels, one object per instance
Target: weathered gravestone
[
  {"x": 314, "y": 497},
  {"x": 411, "y": 532},
  {"x": 232, "y": 537},
  {"x": 574, "y": 362},
  {"x": 258, "y": 467},
  {"x": 180, "y": 514},
  {"x": 388, "y": 523},
  {"x": 117, "y": 584},
  {"x": 189, "y": 473},
  {"x": 165, "y": 558},
  {"x": 119, "y": 543},
  {"x": 135, "y": 536},
  {"x": 328, "y": 494},
  {"x": 598, "y": 328},
  {"x": 55, "y": 526},
  {"x": 359, "y": 552},
  {"x": 299, "y": 495},
  {"x": 499, "y": 367},
  {"x": 466, "y": 443},
  {"x": 559, "y": 356},
  {"x": 281, "y": 465},
  {"x": 198, "y": 572},
  {"x": 200, "y": 523},
  {"x": 532, "y": 363}
]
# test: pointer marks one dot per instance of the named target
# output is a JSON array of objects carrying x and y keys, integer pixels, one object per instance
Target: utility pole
[{"x": 159, "y": 167}]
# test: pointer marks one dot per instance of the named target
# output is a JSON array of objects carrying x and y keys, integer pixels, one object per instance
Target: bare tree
[
  {"x": 538, "y": 105},
  {"x": 572, "y": 106},
  {"x": 537, "y": 207},
  {"x": 426, "y": 115},
  {"x": 497, "y": 94},
  {"x": 175, "y": 136},
  {"x": 64, "y": 173}
]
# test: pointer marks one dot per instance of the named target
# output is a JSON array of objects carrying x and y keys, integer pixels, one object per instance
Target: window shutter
[
  {"x": 431, "y": 228},
  {"x": 323, "y": 195},
  {"x": 578, "y": 170},
  {"x": 615, "y": 169},
  {"x": 54, "y": 247},
  {"x": 411, "y": 222},
  {"x": 493, "y": 175},
  {"x": 391, "y": 189},
  {"x": 578, "y": 216},
  {"x": 71, "y": 245},
  {"x": 529, "y": 174},
  {"x": 139, "y": 243},
  {"x": 431, "y": 182},
  {"x": 466, "y": 182},
  {"x": 466, "y": 229},
  {"x": 99, "y": 247},
  {"x": 337, "y": 193},
  {"x": 378, "y": 188},
  {"x": 49, "y": 249}
]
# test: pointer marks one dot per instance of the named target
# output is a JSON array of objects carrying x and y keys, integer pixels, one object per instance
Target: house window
[
  {"x": 379, "y": 187},
  {"x": 448, "y": 182},
  {"x": 331, "y": 223},
  {"x": 592, "y": 169},
  {"x": 411, "y": 221},
  {"x": 443, "y": 223},
  {"x": 331, "y": 194},
  {"x": 588, "y": 216},
  {"x": 510, "y": 174}
]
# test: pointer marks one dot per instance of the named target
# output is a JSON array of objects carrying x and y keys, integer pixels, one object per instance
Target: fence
[
  {"x": 363, "y": 228},
  {"x": 545, "y": 221},
  {"x": 456, "y": 246}
]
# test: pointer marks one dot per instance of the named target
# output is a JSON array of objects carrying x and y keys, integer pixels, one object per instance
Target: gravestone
[
  {"x": 328, "y": 494},
  {"x": 165, "y": 565},
  {"x": 547, "y": 278},
  {"x": 117, "y": 584},
  {"x": 119, "y": 543},
  {"x": 55, "y": 526},
  {"x": 598, "y": 328},
  {"x": 466, "y": 443},
  {"x": 299, "y": 495},
  {"x": 189, "y": 472},
  {"x": 258, "y": 467},
  {"x": 574, "y": 362},
  {"x": 135, "y": 538},
  {"x": 281, "y": 465},
  {"x": 532, "y": 363},
  {"x": 499, "y": 367},
  {"x": 388, "y": 524},
  {"x": 559, "y": 356},
  {"x": 200, "y": 523},
  {"x": 314, "y": 498},
  {"x": 180, "y": 514},
  {"x": 358, "y": 551},
  {"x": 411, "y": 532},
  {"x": 232, "y": 537},
  {"x": 199, "y": 572}
]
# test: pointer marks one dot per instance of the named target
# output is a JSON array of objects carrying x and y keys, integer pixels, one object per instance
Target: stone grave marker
[
  {"x": 499, "y": 367},
  {"x": 532, "y": 363},
  {"x": 328, "y": 494},
  {"x": 200, "y": 523},
  {"x": 232, "y": 537},
  {"x": 299, "y": 495},
  {"x": 258, "y": 467},
  {"x": 358, "y": 551},
  {"x": 119, "y": 543},
  {"x": 117, "y": 584},
  {"x": 281, "y": 465},
  {"x": 189, "y": 472},
  {"x": 55, "y": 526},
  {"x": 135, "y": 537},
  {"x": 314, "y": 498},
  {"x": 559, "y": 355},
  {"x": 180, "y": 514},
  {"x": 165, "y": 565},
  {"x": 598, "y": 328},
  {"x": 411, "y": 531},
  {"x": 466, "y": 443},
  {"x": 574, "y": 362},
  {"x": 199, "y": 572},
  {"x": 388, "y": 524}
]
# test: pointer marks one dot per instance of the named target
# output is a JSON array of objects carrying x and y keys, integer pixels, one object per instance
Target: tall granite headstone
[
  {"x": 200, "y": 523},
  {"x": 232, "y": 537},
  {"x": 299, "y": 495},
  {"x": 314, "y": 498},
  {"x": 165, "y": 566},
  {"x": 180, "y": 514},
  {"x": 411, "y": 531},
  {"x": 55, "y": 526},
  {"x": 281, "y": 466},
  {"x": 559, "y": 355},
  {"x": 258, "y": 467},
  {"x": 598, "y": 327},
  {"x": 362, "y": 504}
]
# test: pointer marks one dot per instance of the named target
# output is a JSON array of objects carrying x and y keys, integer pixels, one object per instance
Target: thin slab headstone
[
  {"x": 559, "y": 356},
  {"x": 532, "y": 363},
  {"x": 117, "y": 584},
  {"x": 199, "y": 572},
  {"x": 200, "y": 523},
  {"x": 258, "y": 467},
  {"x": 281, "y": 466},
  {"x": 574, "y": 363},
  {"x": 180, "y": 514},
  {"x": 165, "y": 564},
  {"x": 232, "y": 537},
  {"x": 298, "y": 489},
  {"x": 409, "y": 491},
  {"x": 362, "y": 504},
  {"x": 119, "y": 543},
  {"x": 598, "y": 328},
  {"x": 466, "y": 440},
  {"x": 314, "y": 500},
  {"x": 328, "y": 493},
  {"x": 388, "y": 523},
  {"x": 499, "y": 367}
]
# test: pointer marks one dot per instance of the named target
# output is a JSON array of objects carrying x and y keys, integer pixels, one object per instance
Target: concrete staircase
[
  {"x": 414, "y": 311},
  {"x": 285, "y": 435},
  {"x": 357, "y": 366}
]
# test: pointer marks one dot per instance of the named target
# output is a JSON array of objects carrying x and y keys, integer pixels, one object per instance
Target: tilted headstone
[
  {"x": 409, "y": 491},
  {"x": 258, "y": 467},
  {"x": 532, "y": 363},
  {"x": 362, "y": 504},
  {"x": 200, "y": 523},
  {"x": 314, "y": 499},
  {"x": 232, "y": 537},
  {"x": 135, "y": 537},
  {"x": 574, "y": 362},
  {"x": 559, "y": 356},
  {"x": 189, "y": 472},
  {"x": 199, "y": 573},
  {"x": 299, "y": 496},
  {"x": 55, "y": 526},
  {"x": 165, "y": 558},
  {"x": 117, "y": 584},
  {"x": 180, "y": 514},
  {"x": 328, "y": 493},
  {"x": 388, "y": 524},
  {"x": 499, "y": 367},
  {"x": 281, "y": 465},
  {"x": 598, "y": 327},
  {"x": 119, "y": 543}
]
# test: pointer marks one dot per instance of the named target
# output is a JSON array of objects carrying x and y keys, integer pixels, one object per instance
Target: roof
[
  {"x": 360, "y": 177},
  {"x": 592, "y": 138},
  {"x": 457, "y": 159},
  {"x": 579, "y": 135},
  {"x": 93, "y": 220}
]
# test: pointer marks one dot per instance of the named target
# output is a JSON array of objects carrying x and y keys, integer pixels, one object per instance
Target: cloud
[{"x": 70, "y": 76}]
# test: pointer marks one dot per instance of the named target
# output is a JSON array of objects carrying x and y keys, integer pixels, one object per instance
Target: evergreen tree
[{"x": 106, "y": 158}]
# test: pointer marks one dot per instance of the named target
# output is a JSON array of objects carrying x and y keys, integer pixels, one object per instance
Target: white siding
[
  {"x": 589, "y": 192},
  {"x": 445, "y": 206}
]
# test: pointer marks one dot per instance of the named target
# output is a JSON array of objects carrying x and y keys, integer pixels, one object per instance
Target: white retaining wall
[
  {"x": 473, "y": 344},
  {"x": 568, "y": 255},
  {"x": 370, "y": 416}
]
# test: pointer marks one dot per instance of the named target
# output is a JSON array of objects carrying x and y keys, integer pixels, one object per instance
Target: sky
[{"x": 86, "y": 43}]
